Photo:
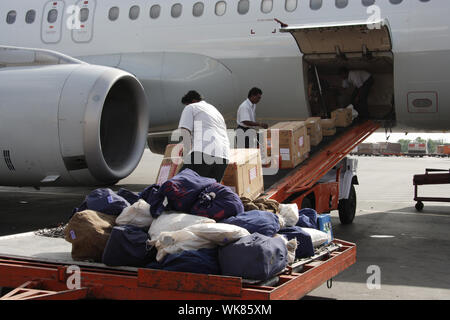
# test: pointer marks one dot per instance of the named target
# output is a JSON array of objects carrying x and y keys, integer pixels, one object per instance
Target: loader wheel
[
  {"x": 419, "y": 206},
  {"x": 347, "y": 207}
]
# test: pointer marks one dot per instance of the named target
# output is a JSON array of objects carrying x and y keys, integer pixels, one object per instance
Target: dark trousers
[
  {"x": 206, "y": 165},
  {"x": 248, "y": 137},
  {"x": 362, "y": 105}
]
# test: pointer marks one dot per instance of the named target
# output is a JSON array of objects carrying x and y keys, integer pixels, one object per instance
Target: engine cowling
[{"x": 70, "y": 124}]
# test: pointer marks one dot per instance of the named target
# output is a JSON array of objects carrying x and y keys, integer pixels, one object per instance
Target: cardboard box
[
  {"x": 244, "y": 173},
  {"x": 293, "y": 143},
  {"x": 342, "y": 117},
  {"x": 314, "y": 130},
  {"x": 173, "y": 151},
  {"x": 328, "y": 127},
  {"x": 171, "y": 163}
]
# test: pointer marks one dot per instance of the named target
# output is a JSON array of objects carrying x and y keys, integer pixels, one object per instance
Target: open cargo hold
[
  {"x": 39, "y": 267},
  {"x": 356, "y": 46}
]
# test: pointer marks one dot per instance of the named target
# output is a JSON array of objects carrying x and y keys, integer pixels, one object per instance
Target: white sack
[
  {"x": 318, "y": 237},
  {"x": 174, "y": 221},
  {"x": 291, "y": 246},
  {"x": 138, "y": 214},
  {"x": 218, "y": 233},
  {"x": 178, "y": 241},
  {"x": 289, "y": 212}
]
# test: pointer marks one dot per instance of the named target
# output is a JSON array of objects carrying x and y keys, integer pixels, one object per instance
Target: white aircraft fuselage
[{"x": 224, "y": 56}]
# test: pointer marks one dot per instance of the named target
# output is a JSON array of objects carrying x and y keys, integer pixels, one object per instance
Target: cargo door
[
  {"x": 52, "y": 19},
  {"x": 355, "y": 37}
]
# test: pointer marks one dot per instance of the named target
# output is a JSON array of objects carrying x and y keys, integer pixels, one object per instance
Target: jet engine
[{"x": 64, "y": 122}]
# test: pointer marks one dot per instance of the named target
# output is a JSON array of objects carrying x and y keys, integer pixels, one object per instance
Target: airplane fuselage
[{"x": 223, "y": 56}]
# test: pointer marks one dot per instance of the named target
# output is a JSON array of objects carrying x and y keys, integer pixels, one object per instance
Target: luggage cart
[
  {"x": 46, "y": 279},
  {"x": 431, "y": 177}
]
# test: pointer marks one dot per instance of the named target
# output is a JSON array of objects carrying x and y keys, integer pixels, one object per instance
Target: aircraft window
[
  {"x": 30, "y": 16},
  {"x": 113, "y": 13},
  {"x": 290, "y": 5},
  {"x": 266, "y": 6},
  {"x": 221, "y": 8},
  {"x": 176, "y": 11},
  {"x": 315, "y": 4},
  {"x": 395, "y": 1},
  {"x": 84, "y": 14},
  {"x": 341, "y": 4},
  {"x": 11, "y": 17},
  {"x": 155, "y": 11},
  {"x": 134, "y": 12},
  {"x": 52, "y": 16},
  {"x": 198, "y": 9},
  {"x": 243, "y": 6},
  {"x": 368, "y": 3}
]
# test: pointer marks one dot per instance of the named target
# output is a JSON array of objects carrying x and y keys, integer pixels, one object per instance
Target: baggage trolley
[{"x": 431, "y": 177}]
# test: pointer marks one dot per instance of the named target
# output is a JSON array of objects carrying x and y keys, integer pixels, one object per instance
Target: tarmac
[{"x": 401, "y": 253}]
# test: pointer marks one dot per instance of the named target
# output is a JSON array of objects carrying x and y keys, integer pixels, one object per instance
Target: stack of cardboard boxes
[{"x": 292, "y": 143}]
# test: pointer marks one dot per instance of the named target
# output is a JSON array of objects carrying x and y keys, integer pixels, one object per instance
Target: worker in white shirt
[
  {"x": 246, "y": 133},
  {"x": 363, "y": 82},
  {"x": 206, "y": 133}
]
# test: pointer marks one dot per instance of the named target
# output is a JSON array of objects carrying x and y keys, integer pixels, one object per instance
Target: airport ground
[{"x": 401, "y": 253}]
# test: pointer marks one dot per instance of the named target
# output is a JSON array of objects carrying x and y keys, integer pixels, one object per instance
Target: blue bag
[
  {"x": 127, "y": 246},
  {"x": 103, "y": 200},
  {"x": 154, "y": 198},
  {"x": 128, "y": 195},
  {"x": 182, "y": 191},
  {"x": 203, "y": 261},
  {"x": 217, "y": 202},
  {"x": 255, "y": 257},
  {"x": 263, "y": 222},
  {"x": 305, "y": 246},
  {"x": 149, "y": 193},
  {"x": 307, "y": 218}
]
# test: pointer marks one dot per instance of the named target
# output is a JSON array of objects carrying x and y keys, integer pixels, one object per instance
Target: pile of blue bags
[{"x": 259, "y": 255}]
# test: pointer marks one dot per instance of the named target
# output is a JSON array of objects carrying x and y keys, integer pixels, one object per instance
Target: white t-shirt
[
  {"x": 246, "y": 112},
  {"x": 208, "y": 129},
  {"x": 357, "y": 78}
]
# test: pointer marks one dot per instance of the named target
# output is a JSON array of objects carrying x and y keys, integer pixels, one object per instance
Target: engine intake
[{"x": 70, "y": 124}]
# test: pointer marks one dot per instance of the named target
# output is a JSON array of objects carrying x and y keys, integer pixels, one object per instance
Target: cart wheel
[
  {"x": 347, "y": 207},
  {"x": 419, "y": 206}
]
